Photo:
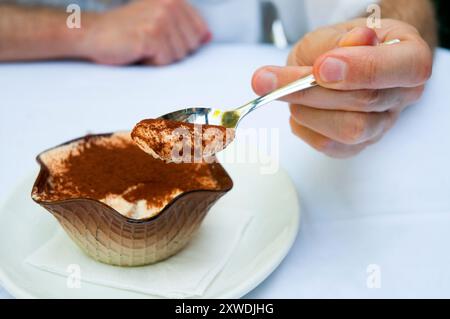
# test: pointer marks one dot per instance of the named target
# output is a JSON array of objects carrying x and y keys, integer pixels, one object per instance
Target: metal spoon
[{"x": 231, "y": 118}]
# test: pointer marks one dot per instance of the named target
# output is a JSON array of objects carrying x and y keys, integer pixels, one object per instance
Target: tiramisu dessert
[
  {"x": 113, "y": 170},
  {"x": 174, "y": 141}
]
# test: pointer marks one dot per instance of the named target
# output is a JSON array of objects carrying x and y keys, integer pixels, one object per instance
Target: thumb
[
  {"x": 332, "y": 69},
  {"x": 269, "y": 78}
]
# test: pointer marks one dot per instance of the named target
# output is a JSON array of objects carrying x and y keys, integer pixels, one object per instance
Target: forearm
[
  {"x": 29, "y": 33},
  {"x": 419, "y": 13}
]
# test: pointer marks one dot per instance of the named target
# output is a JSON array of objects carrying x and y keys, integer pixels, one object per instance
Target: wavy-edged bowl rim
[{"x": 44, "y": 170}]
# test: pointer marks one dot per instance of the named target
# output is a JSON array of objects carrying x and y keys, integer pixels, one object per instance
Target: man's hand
[
  {"x": 363, "y": 88},
  {"x": 156, "y": 32}
]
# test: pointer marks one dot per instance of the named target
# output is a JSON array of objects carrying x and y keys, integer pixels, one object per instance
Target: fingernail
[
  {"x": 333, "y": 70},
  {"x": 267, "y": 81},
  {"x": 359, "y": 36}
]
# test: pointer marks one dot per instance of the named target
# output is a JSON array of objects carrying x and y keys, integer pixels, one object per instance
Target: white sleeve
[{"x": 325, "y": 12}]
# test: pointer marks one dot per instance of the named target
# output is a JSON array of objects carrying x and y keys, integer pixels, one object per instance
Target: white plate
[{"x": 24, "y": 226}]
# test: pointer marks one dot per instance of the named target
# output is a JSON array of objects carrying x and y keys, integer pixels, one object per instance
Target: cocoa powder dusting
[
  {"x": 103, "y": 166},
  {"x": 165, "y": 139}
]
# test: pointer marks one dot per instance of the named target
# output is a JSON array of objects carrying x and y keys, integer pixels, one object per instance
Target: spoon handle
[{"x": 298, "y": 85}]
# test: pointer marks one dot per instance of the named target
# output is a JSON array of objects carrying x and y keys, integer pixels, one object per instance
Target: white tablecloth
[{"x": 388, "y": 207}]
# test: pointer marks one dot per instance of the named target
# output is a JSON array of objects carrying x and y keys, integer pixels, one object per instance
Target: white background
[{"x": 389, "y": 206}]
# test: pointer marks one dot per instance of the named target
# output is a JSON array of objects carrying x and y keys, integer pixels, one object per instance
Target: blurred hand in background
[{"x": 153, "y": 31}]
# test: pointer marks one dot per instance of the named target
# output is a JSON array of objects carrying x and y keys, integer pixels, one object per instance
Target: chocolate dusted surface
[
  {"x": 115, "y": 171},
  {"x": 175, "y": 141}
]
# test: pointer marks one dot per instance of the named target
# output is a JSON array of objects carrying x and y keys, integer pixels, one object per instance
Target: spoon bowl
[{"x": 205, "y": 116}]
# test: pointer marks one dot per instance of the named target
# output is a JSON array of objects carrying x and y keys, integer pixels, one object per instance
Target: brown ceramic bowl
[{"x": 111, "y": 238}]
